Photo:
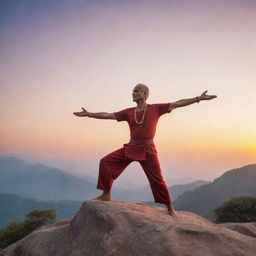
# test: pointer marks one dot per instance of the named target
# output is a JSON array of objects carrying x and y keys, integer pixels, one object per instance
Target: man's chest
[{"x": 138, "y": 121}]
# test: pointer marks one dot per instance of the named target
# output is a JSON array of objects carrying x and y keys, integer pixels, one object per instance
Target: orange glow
[{"x": 92, "y": 57}]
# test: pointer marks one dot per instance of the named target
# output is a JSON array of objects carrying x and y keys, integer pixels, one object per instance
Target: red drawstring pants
[{"x": 113, "y": 164}]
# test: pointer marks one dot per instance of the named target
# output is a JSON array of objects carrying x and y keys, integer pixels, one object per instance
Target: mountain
[
  {"x": 49, "y": 183},
  {"x": 15, "y": 207},
  {"x": 129, "y": 229},
  {"x": 203, "y": 200},
  {"x": 177, "y": 190},
  {"x": 42, "y": 182}
]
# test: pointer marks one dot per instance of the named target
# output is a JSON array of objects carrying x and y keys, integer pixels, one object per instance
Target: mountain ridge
[
  {"x": 236, "y": 182},
  {"x": 16, "y": 207}
]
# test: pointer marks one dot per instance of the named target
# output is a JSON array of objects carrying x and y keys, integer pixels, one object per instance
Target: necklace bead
[{"x": 135, "y": 117}]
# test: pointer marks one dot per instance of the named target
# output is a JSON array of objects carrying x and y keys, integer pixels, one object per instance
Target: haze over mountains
[
  {"x": 48, "y": 183},
  {"x": 25, "y": 186},
  {"x": 86, "y": 167},
  {"x": 236, "y": 182},
  {"x": 42, "y": 182},
  {"x": 177, "y": 190},
  {"x": 13, "y": 207},
  {"x": 39, "y": 186}
]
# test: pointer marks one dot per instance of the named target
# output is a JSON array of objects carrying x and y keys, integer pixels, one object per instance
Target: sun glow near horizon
[{"x": 91, "y": 54}]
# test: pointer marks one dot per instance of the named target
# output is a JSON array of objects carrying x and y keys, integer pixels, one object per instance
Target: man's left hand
[{"x": 204, "y": 96}]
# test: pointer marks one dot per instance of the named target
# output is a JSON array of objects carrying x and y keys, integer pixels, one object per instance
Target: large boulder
[
  {"x": 248, "y": 228},
  {"x": 131, "y": 229}
]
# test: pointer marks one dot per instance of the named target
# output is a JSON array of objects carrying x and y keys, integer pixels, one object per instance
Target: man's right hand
[{"x": 82, "y": 113}]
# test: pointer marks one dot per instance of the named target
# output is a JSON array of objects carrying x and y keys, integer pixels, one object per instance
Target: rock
[
  {"x": 248, "y": 228},
  {"x": 131, "y": 229}
]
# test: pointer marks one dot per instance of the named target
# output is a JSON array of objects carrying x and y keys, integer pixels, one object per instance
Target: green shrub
[
  {"x": 12, "y": 233},
  {"x": 237, "y": 209},
  {"x": 17, "y": 230},
  {"x": 38, "y": 218}
]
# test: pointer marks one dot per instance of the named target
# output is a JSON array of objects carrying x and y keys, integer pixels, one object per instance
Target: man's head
[{"x": 140, "y": 92}]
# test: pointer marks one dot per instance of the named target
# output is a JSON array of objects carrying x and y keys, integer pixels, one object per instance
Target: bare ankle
[{"x": 170, "y": 207}]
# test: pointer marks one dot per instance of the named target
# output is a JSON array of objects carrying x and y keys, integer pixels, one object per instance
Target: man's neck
[{"x": 141, "y": 105}]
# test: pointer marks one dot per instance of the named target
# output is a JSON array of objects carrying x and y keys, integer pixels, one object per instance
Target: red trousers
[{"x": 113, "y": 164}]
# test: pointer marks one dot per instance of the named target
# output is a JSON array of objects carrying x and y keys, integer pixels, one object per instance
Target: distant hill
[
  {"x": 203, "y": 200},
  {"x": 177, "y": 190},
  {"x": 15, "y": 207},
  {"x": 48, "y": 183},
  {"x": 42, "y": 182}
]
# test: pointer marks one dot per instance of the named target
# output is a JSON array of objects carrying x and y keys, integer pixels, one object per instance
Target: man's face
[{"x": 137, "y": 93}]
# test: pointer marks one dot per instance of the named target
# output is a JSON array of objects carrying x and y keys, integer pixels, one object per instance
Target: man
[{"x": 142, "y": 121}]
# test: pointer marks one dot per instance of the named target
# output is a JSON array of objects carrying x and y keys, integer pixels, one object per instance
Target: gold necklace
[{"x": 137, "y": 122}]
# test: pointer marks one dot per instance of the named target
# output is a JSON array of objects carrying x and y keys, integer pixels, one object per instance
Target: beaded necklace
[{"x": 137, "y": 122}]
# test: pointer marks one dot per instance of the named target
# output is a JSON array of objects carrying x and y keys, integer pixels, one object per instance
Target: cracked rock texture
[{"x": 132, "y": 229}]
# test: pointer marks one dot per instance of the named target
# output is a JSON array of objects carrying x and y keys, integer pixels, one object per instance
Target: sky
[{"x": 58, "y": 56}]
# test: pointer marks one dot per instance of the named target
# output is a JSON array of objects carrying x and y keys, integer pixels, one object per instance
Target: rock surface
[
  {"x": 132, "y": 229},
  {"x": 248, "y": 228}
]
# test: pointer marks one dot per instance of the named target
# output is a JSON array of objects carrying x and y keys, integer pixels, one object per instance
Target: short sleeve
[
  {"x": 121, "y": 115},
  {"x": 163, "y": 108}
]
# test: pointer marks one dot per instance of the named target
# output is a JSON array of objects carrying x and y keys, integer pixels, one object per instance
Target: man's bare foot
[
  {"x": 106, "y": 196},
  {"x": 171, "y": 210}
]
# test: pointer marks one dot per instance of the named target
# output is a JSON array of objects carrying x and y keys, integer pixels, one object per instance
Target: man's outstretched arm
[
  {"x": 99, "y": 115},
  {"x": 185, "y": 102}
]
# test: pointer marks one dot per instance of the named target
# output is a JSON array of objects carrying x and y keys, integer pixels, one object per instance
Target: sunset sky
[{"x": 59, "y": 56}]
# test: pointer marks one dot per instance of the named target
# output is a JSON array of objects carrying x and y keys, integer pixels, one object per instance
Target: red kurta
[
  {"x": 143, "y": 131},
  {"x": 147, "y": 129},
  {"x": 112, "y": 165}
]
